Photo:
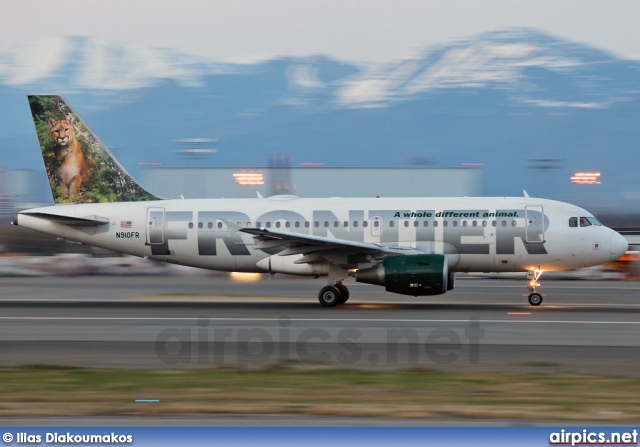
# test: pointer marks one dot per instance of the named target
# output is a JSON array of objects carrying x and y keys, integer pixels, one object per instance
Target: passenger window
[
  {"x": 365, "y": 224},
  {"x": 504, "y": 223},
  {"x": 345, "y": 224},
  {"x": 445, "y": 223},
  {"x": 484, "y": 223},
  {"x": 355, "y": 224},
  {"x": 268, "y": 225},
  {"x": 513, "y": 223},
  {"x": 200, "y": 225},
  {"x": 326, "y": 224},
  {"x": 210, "y": 225},
  {"x": 464, "y": 223},
  {"x": 190, "y": 224},
  {"x": 306, "y": 224},
  {"x": 493, "y": 223},
  {"x": 426, "y": 223},
  {"x": 584, "y": 222},
  {"x": 435, "y": 223},
  {"x": 573, "y": 222},
  {"x": 277, "y": 224},
  {"x": 475, "y": 223},
  {"x": 288, "y": 224},
  {"x": 376, "y": 223},
  {"x": 416, "y": 223},
  {"x": 406, "y": 223},
  {"x": 259, "y": 224},
  {"x": 219, "y": 224},
  {"x": 392, "y": 224},
  {"x": 335, "y": 224},
  {"x": 316, "y": 224},
  {"x": 455, "y": 223}
]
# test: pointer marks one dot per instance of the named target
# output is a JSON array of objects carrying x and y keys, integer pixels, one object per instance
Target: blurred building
[{"x": 229, "y": 182}]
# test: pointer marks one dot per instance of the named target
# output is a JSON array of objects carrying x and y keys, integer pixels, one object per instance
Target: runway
[{"x": 215, "y": 321}]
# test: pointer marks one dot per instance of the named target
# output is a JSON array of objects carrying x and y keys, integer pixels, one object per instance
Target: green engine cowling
[{"x": 417, "y": 275}]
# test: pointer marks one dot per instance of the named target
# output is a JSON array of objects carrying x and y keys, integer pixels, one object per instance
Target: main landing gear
[
  {"x": 335, "y": 292},
  {"x": 535, "y": 298},
  {"x": 330, "y": 296}
]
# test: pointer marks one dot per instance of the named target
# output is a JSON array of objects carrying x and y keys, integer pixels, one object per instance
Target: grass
[{"x": 50, "y": 391}]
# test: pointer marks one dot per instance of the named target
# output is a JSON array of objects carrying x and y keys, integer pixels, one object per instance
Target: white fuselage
[{"x": 478, "y": 234}]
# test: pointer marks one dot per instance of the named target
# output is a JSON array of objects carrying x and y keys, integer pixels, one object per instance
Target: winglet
[
  {"x": 232, "y": 228},
  {"x": 80, "y": 168}
]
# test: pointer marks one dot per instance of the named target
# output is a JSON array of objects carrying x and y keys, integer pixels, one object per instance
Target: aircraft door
[
  {"x": 534, "y": 216},
  {"x": 376, "y": 226},
  {"x": 155, "y": 226}
]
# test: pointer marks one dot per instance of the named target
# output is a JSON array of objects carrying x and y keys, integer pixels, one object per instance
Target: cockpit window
[
  {"x": 583, "y": 221},
  {"x": 594, "y": 221}
]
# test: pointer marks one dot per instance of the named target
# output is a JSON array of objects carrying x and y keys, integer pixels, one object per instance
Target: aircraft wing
[
  {"x": 316, "y": 248},
  {"x": 297, "y": 243}
]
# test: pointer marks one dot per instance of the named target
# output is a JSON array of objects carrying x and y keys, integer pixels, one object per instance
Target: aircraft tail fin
[{"x": 80, "y": 168}]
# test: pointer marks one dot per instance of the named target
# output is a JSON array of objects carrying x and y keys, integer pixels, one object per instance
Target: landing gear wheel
[
  {"x": 535, "y": 299},
  {"x": 344, "y": 293},
  {"x": 329, "y": 296}
]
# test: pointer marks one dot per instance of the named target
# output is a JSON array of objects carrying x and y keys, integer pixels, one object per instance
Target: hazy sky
[{"x": 358, "y": 30}]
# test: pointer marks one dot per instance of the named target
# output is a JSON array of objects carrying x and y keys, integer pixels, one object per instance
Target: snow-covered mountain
[
  {"x": 536, "y": 68},
  {"x": 503, "y": 98},
  {"x": 88, "y": 63}
]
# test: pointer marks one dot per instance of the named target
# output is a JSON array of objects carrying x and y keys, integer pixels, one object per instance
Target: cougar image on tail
[
  {"x": 74, "y": 166},
  {"x": 79, "y": 167}
]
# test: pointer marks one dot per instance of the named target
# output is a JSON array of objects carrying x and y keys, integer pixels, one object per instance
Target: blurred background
[{"x": 516, "y": 102}]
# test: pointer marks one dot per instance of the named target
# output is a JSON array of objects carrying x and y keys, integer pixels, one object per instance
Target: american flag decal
[{"x": 125, "y": 224}]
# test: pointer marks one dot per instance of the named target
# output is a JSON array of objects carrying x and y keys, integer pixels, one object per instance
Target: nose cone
[{"x": 619, "y": 245}]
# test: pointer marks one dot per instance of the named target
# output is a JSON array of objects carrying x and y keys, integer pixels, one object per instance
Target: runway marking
[
  {"x": 262, "y": 299},
  {"x": 546, "y": 286},
  {"x": 520, "y": 286},
  {"x": 312, "y": 320}
]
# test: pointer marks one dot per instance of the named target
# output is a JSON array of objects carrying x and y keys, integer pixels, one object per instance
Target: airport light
[
  {"x": 249, "y": 178},
  {"x": 586, "y": 178}
]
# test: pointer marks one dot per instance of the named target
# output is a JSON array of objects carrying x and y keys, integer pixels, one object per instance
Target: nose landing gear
[{"x": 535, "y": 298}]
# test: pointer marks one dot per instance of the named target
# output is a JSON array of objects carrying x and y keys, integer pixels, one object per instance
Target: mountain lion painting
[{"x": 74, "y": 166}]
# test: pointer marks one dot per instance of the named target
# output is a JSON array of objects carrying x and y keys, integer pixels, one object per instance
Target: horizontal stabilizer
[{"x": 86, "y": 221}]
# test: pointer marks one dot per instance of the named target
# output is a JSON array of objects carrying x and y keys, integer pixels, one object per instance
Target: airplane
[{"x": 411, "y": 246}]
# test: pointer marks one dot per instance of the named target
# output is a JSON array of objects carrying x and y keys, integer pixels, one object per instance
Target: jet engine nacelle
[
  {"x": 287, "y": 265},
  {"x": 417, "y": 275}
]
